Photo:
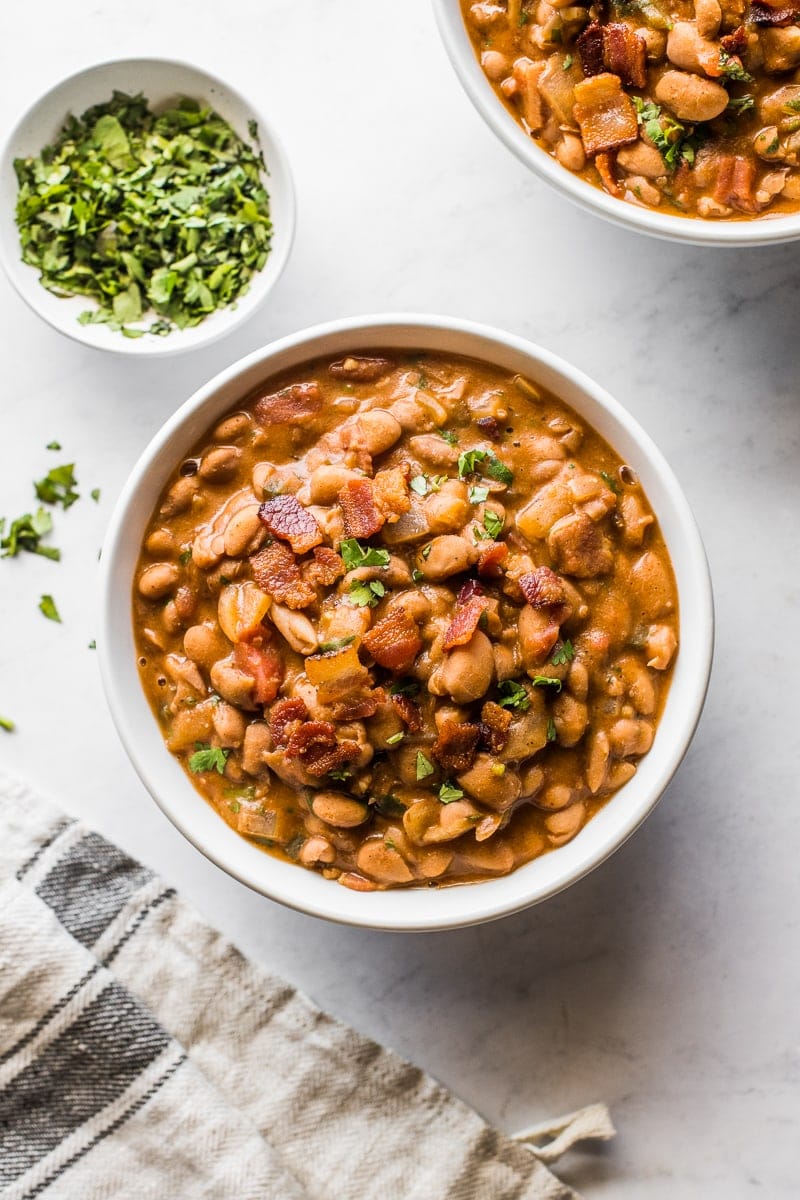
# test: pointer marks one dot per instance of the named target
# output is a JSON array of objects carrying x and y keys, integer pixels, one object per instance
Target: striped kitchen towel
[{"x": 141, "y": 1055}]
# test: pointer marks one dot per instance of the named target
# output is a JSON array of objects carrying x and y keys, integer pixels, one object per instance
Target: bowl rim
[
  {"x": 230, "y": 319},
  {"x": 287, "y": 883},
  {"x": 764, "y": 231}
]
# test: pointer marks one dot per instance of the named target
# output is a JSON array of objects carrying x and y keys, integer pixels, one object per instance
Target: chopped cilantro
[
  {"x": 546, "y": 681},
  {"x": 513, "y": 695},
  {"x": 738, "y": 105},
  {"x": 477, "y": 495},
  {"x": 791, "y": 107},
  {"x": 25, "y": 533},
  {"x": 58, "y": 486},
  {"x": 139, "y": 212},
  {"x": 448, "y": 792},
  {"x": 468, "y": 462},
  {"x": 732, "y": 68},
  {"x": 675, "y": 143},
  {"x": 7, "y": 724},
  {"x": 551, "y": 730},
  {"x": 563, "y": 653},
  {"x": 395, "y": 739},
  {"x": 426, "y": 550},
  {"x": 492, "y": 523},
  {"x": 185, "y": 556},
  {"x": 207, "y": 758},
  {"x": 95, "y": 494},
  {"x": 234, "y": 806},
  {"x": 483, "y": 462},
  {"x": 366, "y": 595},
  {"x": 340, "y": 774},
  {"x": 404, "y": 689},
  {"x": 567, "y": 63},
  {"x": 419, "y": 484},
  {"x": 424, "y": 766},
  {"x": 499, "y": 471},
  {"x": 53, "y": 446},
  {"x": 355, "y": 555},
  {"x": 448, "y": 435},
  {"x": 47, "y": 606},
  {"x": 611, "y": 482},
  {"x": 336, "y": 644},
  {"x": 92, "y": 645},
  {"x": 417, "y": 575}
]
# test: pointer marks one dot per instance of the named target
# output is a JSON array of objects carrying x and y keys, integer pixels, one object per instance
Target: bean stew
[
  {"x": 405, "y": 619},
  {"x": 692, "y": 106}
]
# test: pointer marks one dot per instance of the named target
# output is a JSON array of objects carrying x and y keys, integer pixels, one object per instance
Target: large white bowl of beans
[{"x": 407, "y": 623}]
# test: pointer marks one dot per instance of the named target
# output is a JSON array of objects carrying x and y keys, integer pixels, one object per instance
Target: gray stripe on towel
[
  {"x": 90, "y": 885},
  {"x": 85, "y": 1068}
]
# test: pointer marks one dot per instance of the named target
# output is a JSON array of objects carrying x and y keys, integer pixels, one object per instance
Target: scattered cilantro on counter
[{"x": 47, "y": 606}]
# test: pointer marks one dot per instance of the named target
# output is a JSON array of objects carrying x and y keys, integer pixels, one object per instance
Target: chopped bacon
[
  {"x": 590, "y": 49},
  {"x": 362, "y": 517},
  {"x": 489, "y": 426},
  {"x": 294, "y": 403},
  {"x": 285, "y": 518},
  {"x": 605, "y": 169},
  {"x": 325, "y": 568},
  {"x": 315, "y": 744},
  {"x": 736, "y": 42},
  {"x": 357, "y": 707},
  {"x": 409, "y": 713},
  {"x": 735, "y": 180},
  {"x": 359, "y": 370},
  {"x": 542, "y": 588},
  {"x": 455, "y": 747},
  {"x": 624, "y": 54},
  {"x": 285, "y": 718},
  {"x": 605, "y": 114},
  {"x": 276, "y": 571},
  {"x": 465, "y": 622},
  {"x": 394, "y": 641},
  {"x": 468, "y": 589},
  {"x": 492, "y": 554},
  {"x": 390, "y": 489},
  {"x": 265, "y": 665},
  {"x": 762, "y": 15},
  {"x": 495, "y": 722}
]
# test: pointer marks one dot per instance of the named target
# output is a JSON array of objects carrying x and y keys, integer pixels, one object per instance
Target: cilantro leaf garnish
[
  {"x": 732, "y": 69},
  {"x": 140, "y": 212},
  {"x": 336, "y": 644},
  {"x": 449, "y": 792},
  {"x": 477, "y": 495},
  {"x": 483, "y": 462},
  {"x": 366, "y": 595},
  {"x": 58, "y": 486},
  {"x": 551, "y": 730},
  {"x": 207, "y": 758},
  {"x": 424, "y": 766},
  {"x": 395, "y": 739},
  {"x": 492, "y": 523},
  {"x": 388, "y": 806},
  {"x": 419, "y": 484},
  {"x": 355, "y": 555},
  {"x": 563, "y": 653},
  {"x": 25, "y": 533},
  {"x": 513, "y": 695},
  {"x": 546, "y": 681},
  {"x": 448, "y": 435},
  {"x": 610, "y": 482},
  {"x": 675, "y": 142},
  {"x": 47, "y": 606}
]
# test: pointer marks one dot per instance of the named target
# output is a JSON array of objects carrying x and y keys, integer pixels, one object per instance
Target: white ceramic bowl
[
  {"x": 161, "y": 81},
  {"x": 762, "y": 231},
  {"x": 421, "y": 909}
]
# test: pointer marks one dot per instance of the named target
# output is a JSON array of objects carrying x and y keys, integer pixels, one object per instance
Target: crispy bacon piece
[
  {"x": 465, "y": 622},
  {"x": 495, "y": 723},
  {"x": 490, "y": 427},
  {"x": 409, "y": 712},
  {"x": 390, "y": 489},
  {"x": 624, "y": 54},
  {"x": 455, "y": 747},
  {"x": 394, "y": 641},
  {"x": 285, "y": 518},
  {"x": 605, "y": 114},
  {"x": 735, "y": 180},
  {"x": 285, "y": 718},
  {"x": 605, "y": 169},
  {"x": 590, "y": 49},
  {"x": 315, "y": 744},
  {"x": 265, "y": 665},
  {"x": 736, "y": 42},
  {"x": 542, "y": 588},
  {"x": 294, "y": 403},
  {"x": 762, "y": 15},
  {"x": 362, "y": 517},
  {"x": 325, "y": 568},
  {"x": 276, "y": 571},
  {"x": 359, "y": 370},
  {"x": 492, "y": 555},
  {"x": 357, "y": 707},
  {"x": 468, "y": 589}
]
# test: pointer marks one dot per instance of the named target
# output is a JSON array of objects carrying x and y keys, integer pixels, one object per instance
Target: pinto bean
[
  {"x": 467, "y": 671},
  {"x": 327, "y": 481},
  {"x": 158, "y": 580},
  {"x": 660, "y": 646},
  {"x": 339, "y": 809},
  {"x": 651, "y": 586},
  {"x": 495, "y": 65},
  {"x": 448, "y": 509},
  {"x": 160, "y": 542},
  {"x": 379, "y": 430},
  {"x": 448, "y": 555},
  {"x": 229, "y": 724},
  {"x": 688, "y": 49},
  {"x": 383, "y": 863},
  {"x": 220, "y": 464},
  {"x": 434, "y": 449},
  {"x": 556, "y": 797},
  {"x": 233, "y": 684},
  {"x": 205, "y": 644},
  {"x": 691, "y": 98},
  {"x": 642, "y": 159},
  {"x": 708, "y": 15},
  {"x": 487, "y": 781},
  {"x": 488, "y": 858},
  {"x": 232, "y": 428},
  {"x": 564, "y": 824},
  {"x": 295, "y": 627},
  {"x": 427, "y": 822},
  {"x": 570, "y": 152},
  {"x": 180, "y": 496},
  {"x": 628, "y": 737},
  {"x": 570, "y": 717},
  {"x": 315, "y": 850},
  {"x": 256, "y": 745},
  {"x": 244, "y": 532}
]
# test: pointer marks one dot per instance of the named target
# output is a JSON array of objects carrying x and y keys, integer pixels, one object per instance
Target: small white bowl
[
  {"x": 761, "y": 231},
  {"x": 420, "y": 909},
  {"x": 161, "y": 81}
]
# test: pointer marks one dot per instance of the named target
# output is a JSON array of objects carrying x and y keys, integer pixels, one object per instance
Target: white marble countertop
[{"x": 667, "y": 982}]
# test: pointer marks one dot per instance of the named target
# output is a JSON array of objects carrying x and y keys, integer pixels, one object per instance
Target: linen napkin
[{"x": 141, "y": 1055}]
